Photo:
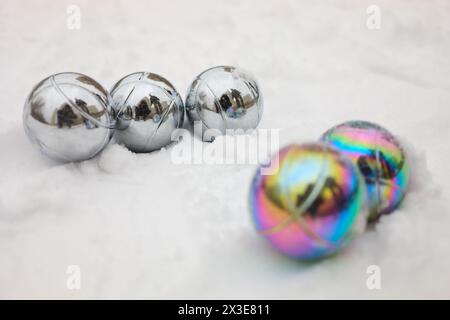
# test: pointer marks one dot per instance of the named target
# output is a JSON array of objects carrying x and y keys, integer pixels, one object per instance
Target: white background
[{"x": 139, "y": 226}]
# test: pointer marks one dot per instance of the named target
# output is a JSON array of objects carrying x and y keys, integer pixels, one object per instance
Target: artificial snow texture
[{"x": 140, "y": 226}]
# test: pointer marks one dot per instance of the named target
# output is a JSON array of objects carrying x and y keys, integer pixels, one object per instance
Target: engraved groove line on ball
[
  {"x": 296, "y": 215},
  {"x": 217, "y": 104},
  {"x": 87, "y": 116},
  {"x": 75, "y": 106},
  {"x": 161, "y": 120}
]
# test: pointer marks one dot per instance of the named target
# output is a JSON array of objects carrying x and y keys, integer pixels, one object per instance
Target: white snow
[{"x": 139, "y": 226}]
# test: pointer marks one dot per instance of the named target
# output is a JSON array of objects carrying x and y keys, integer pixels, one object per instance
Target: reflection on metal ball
[
  {"x": 380, "y": 158},
  {"x": 67, "y": 117},
  {"x": 224, "y": 98},
  {"x": 148, "y": 109},
  {"x": 313, "y": 205}
]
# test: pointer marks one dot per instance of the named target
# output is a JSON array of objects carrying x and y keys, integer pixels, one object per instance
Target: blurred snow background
[{"x": 139, "y": 226}]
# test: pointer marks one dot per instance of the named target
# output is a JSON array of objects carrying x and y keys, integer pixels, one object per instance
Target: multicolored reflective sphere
[
  {"x": 313, "y": 205},
  {"x": 380, "y": 158}
]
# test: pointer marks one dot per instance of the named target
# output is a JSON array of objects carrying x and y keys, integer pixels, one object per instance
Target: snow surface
[{"x": 140, "y": 226}]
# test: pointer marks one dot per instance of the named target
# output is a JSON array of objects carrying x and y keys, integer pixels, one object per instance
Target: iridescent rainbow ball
[
  {"x": 312, "y": 205},
  {"x": 380, "y": 158}
]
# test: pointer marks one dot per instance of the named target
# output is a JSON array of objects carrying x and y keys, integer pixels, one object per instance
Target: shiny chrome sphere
[
  {"x": 67, "y": 117},
  {"x": 224, "y": 98},
  {"x": 148, "y": 109}
]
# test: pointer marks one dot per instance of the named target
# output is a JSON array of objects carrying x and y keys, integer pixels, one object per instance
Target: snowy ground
[{"x": 139, "y": 226}]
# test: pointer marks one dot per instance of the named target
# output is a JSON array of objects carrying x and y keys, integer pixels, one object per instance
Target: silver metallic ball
[
  {"x": 148, "y": 109},
  {"x": 224, "y": 98},
  {"x": 67, "y": 116}
]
